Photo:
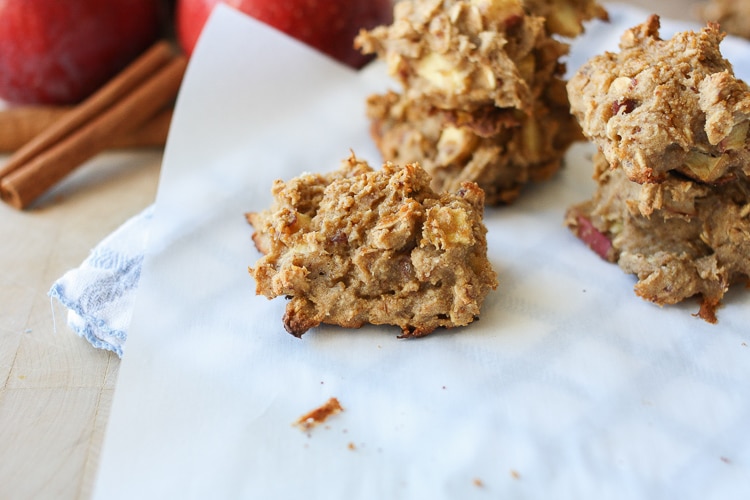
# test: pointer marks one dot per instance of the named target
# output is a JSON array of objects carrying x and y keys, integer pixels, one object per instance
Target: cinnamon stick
[
  {"x": 24, "y": 183},
  {"x": 114, "y": 90},
  {"x": 20, "y": 125}
]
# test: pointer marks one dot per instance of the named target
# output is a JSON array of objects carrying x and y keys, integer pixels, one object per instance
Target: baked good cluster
[{"x": 483, "y": 110}]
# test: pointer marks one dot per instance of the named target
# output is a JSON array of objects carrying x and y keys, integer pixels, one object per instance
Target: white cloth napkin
[{"x": 99, "y": 294}]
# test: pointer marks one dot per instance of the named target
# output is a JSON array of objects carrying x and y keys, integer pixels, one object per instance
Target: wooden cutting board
[{"x": 55, "y": 388}]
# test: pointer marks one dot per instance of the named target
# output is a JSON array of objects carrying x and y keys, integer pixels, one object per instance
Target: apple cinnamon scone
[
  {"x": 672, "y": 202},
  {"x": 659, "y": 106},
  {"x": 482, "y": 97},
  {"x": 732, "y": 15},
  {"x": 359, "y": 246}
]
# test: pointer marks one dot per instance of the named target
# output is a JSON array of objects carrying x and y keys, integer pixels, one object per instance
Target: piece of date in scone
[
  {"x": 359, "y": 246},
  {"x": 672, "y": 203},
  {"x": 482, "y": 97}
]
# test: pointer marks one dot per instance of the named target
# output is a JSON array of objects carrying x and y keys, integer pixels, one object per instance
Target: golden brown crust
[{"x": 360, "y": 246}]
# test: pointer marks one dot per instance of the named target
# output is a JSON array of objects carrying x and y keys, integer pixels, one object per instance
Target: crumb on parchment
[{"x": 319, "y": 415}]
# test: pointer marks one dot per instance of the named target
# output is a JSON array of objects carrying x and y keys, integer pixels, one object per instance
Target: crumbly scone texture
[
  {"x": 660, "y": 106},
  {"x": 680, "y": 238},
  {"x": 359, "y": 246},
  {"x": 501, "y": 149},
  {"x": 732, "y": 15},
  {"x": 482, "y": 97}
]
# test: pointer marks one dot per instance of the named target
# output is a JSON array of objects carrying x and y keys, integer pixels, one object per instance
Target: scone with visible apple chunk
[
  {"x": 358, "y": 246},
  {"x": 482, "y": 97},
  {"x": 672, "y": 201},
  {"x": 661, "y": 106}
]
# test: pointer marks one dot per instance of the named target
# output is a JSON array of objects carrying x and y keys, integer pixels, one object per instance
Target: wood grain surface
[{"x": 55, "y": 389}]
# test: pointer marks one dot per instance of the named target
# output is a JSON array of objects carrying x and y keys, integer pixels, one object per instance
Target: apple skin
[
  {"x": 595, "y": 239},
  {"x": 328, "y": 25},
  {"x": 59, "y": 52}
]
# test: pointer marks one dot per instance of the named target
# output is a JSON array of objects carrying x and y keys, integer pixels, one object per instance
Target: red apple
[
  {"x": 59, "y": 52},
  {"x": 328, "y": 25}
]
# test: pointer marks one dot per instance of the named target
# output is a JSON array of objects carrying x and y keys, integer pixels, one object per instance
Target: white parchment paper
[{"x": 568, "y": 387}]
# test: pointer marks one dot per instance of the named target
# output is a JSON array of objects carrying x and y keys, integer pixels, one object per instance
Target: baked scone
[
  {"x": 680, "y": 238},
  {"x": 659, "y": 106},
  {"x": 359, "y": 246},
  {"x": 672, "y": 203},
  {"x": 732, "y": 15},
  {"x": 482, "y": 97}
]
